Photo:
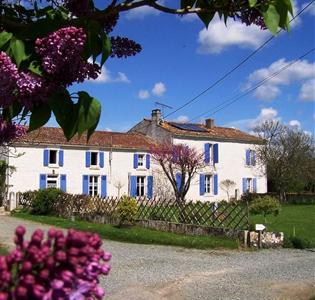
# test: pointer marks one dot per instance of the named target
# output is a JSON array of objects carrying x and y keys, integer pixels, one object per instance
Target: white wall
[
  {"x": 231, "y": 166},
  {"x": 30, "y": 165}
]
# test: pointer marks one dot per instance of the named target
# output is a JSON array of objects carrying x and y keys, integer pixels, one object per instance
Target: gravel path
[{"x": 159, "y": 272}]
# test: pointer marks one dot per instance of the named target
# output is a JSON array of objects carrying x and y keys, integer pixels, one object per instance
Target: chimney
[
  {"x": 210, "y": 123},
  {"x": 156, "y": 116}
]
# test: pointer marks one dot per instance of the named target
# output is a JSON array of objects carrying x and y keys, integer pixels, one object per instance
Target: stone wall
[{"x": 265, "y": 239}]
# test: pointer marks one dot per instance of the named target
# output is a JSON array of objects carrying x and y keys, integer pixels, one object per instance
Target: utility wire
[
  {"x": 238, "y": 65},
  {"x": 247, "y": 91}
]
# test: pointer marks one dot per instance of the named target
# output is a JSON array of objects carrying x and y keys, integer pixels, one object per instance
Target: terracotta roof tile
[
  {"x": 107, "y": 139},
  {"x": 215, "y": 132}
]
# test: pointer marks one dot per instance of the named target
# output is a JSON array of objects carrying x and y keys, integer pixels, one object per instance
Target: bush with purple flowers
[{"x": 62, "y": 266}]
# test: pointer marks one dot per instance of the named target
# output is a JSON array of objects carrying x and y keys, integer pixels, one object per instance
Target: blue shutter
[
  {"x": 60, "y": 158},
  {"x": 87, "y": 159},
  {"x": 207, "y": 153},
  {"x": 85, "y": 184},
  {"x": 147, "y": 161},
  {"x": 103, "y": 186},
  {"x": 215, "y": 153},
  {"x": 215, "y": 184},
  {"x": 63, "y": 183},
  {"x": 247, "y": 157},
  {"x": 46, "y": 157},
  {"x": 202, "y": 184},
  {"x": 255, "y": 185},
  {"x": 150, "y": 187},
  {"x": 101, "y": 159},
  {"x": 178, "y": 178},
  {"x": 42, "y": 181},
  {"x": 244, "y": 185},
  {"x": 135, "y": 161},
  {"x": 133, "y": 186}
]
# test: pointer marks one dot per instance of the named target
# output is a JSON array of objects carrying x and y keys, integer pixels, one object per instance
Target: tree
[
  {"x": 288, "y": 154},
  {"x": 179, "y": 163},
  {"x": 227, "y": 185},
  {"x": 46, "y": 46}
]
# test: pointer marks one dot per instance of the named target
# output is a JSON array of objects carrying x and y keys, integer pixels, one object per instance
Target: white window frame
[
  {"x": 141, "y": 185},
  {"x": 143, "y": 161},
  {"x": 57, "y": 158},
  {"x": 208, "y": 184},
  {"x": 97, "y": 159},
  {"x": 252, "y": 160},
  {"x": 52, "y": 177},
  {"x": 249, "y": 185},
  {"x": 94, "y": 186}
]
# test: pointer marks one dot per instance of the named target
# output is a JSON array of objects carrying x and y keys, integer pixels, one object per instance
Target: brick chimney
[
  {"x": 156, "y": 116},
  {"x": 210, "y": 123}
]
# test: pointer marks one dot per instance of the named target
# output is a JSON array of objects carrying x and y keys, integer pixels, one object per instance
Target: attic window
[
  {"x": 52, "y": 157},
  {"x": 94, "y": 158}
]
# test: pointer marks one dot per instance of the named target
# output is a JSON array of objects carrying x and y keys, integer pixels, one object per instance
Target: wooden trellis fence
[{"x": 220, "y": 214}]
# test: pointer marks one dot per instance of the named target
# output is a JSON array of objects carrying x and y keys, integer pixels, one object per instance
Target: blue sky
[{"x": 180, "y": 59}]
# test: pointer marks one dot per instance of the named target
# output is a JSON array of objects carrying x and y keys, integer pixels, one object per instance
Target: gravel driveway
[{"x": 160, "y": 272}]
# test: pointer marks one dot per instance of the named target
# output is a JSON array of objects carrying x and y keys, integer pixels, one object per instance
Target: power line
[
  {"x": 247, "y": 91},
  {"x": 238, "y": 65}
]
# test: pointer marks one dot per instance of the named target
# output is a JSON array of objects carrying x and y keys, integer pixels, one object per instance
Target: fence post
[{"x": 247, "y": 214}]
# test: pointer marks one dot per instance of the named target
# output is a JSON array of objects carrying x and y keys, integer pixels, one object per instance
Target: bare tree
[
  {"x": 288, "y": 154},
  {"x": 179, "y": 163},
  {"x": 227, "y": 185},
  {"x": 118, "y": 185}
]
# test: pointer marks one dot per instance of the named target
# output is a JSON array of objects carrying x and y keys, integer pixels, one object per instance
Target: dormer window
[
  {"x": 52, "y": 157},
  {"x": 94, "y": 158}
]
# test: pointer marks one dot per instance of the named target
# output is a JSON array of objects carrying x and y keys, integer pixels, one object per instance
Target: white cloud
[
  {"x": 107, "y": 77},
  {"x": 310, "y": 9},
  {"x": 143, "y": 94},
  {"x": 108, "y": 129},
  {"x": 219, "y": 36},
  {"x": 295, "y": 123},
  {"x": 307, "y": 92},
  {"x": 300, "y": 71},
  {"x": 159, "y": 89},
  {"x": 181, "y": 119},
  {"x": 141, "y": 12},
  {"x": 189, "y": 18}
]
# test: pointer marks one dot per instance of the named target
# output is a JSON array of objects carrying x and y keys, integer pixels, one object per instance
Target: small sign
[{"x": 260, "y": 227}]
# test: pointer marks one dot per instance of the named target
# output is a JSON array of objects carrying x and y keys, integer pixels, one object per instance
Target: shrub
[
  {"x": 127, "y": 210},
  {"x": 266, "y": 205},
  {"x": 60, "y": 267},
  {"x": 297, "y": 242},
  {"x": 44, "y": 200}
]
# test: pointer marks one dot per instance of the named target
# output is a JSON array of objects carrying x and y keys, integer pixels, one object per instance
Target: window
[
  {"x": 250, "y": 157},
  {"x": 52, "y": 181},
  {"x": 140, "y": 160},
  {"x": 140, "y": 185},
  {"x": 249, "y": 185},
  {"x": 94, "y": 158},
  {"x": 93, "y": 185},
  {"x": 52, "y": 157},
  {"x": 208, "y": 183}
]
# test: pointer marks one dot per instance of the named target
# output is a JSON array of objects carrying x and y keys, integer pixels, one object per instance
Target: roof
[
  {"x": 216, "y": 132},
  {"x": 106, "y": 139}
]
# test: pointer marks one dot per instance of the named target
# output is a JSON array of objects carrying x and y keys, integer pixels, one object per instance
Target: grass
[
  {"x": 3, "y": 250},
  {"x": 136, "y": 234},
  {"x": 300, "y": 218}
]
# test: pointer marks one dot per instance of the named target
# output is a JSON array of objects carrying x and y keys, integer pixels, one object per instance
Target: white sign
[{"x": 260, "y": 227}]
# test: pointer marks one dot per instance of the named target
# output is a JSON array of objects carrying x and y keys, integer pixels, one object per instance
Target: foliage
[
  {"x": 265, "y": 206},
  {"x": 179, "y": 163},
  {"x": 288, "y": 154},
  {"x": 294, "y": 220},
  {"x": 44, "y": 201},
  {"x": 297, "y": 242},
  {"x": 137, "y": 234},
  {"x": 58, "y": 267},
  {"x": 46, "y": 46},
  {"x": 127, "y": 210},
  {"x": 227, "y": 185}
]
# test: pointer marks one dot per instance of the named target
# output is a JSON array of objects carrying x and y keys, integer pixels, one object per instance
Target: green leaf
[
  {"x": 35, "y": 67},
  {"x": 94, "y": 43},
  {"x": 206, "y": 18},
  {"x": 252, "y": 3},
  {"x": 89, "y": 112},
  {"x": 4, "y": 38},
  {"x": 283, "y": 8},
  {"x": 18, "y": 51},
  {"x": 106, "y": 48},
  {"x": 271, "y": 19},
  {"x": 39, "y": 117},
  {"x": 185, "y": 3}
]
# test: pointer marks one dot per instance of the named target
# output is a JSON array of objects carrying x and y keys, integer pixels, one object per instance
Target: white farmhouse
[
  {"x": 229, "y": 154},
  {"x": 112, "y": 164}
]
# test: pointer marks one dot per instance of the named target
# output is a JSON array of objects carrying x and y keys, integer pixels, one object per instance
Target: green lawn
[
  {"x": 300, "y": 217},
  {"x": 3, "y": 250},
  {"x": 136, "y": 234}
]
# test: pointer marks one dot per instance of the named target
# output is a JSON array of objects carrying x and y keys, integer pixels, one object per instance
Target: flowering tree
[
  {"x": 179, "y": 163},
  {"x": 46, "y": 46},
  {"x": 59, "y": 267}
]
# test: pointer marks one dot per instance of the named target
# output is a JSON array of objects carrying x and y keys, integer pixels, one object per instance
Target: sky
[{"x": 180, "y": 59}]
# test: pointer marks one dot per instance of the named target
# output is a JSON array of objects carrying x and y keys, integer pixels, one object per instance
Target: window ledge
[
  {"x": 53, "y": 166},
  {"x": 95, "y": 168},
  {"x": 208, "y": 195},
  {"x": 141, "y": 169}
]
